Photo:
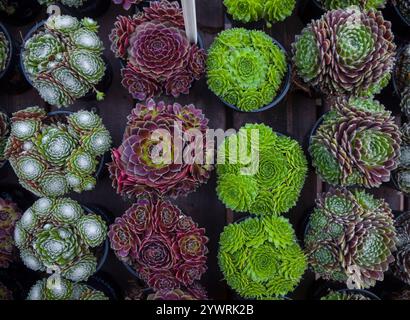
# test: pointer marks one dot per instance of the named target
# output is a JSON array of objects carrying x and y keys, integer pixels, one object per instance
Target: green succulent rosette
[
  {"x": 62, "y": 289},
  {"x": 53, "y": 158},
  {"x": 344, "y": 295},
  {"x": 64, "y": 59},
  {"x": 56, "y": 235},
  {"x": 260, "y": 171},
  {"x": 4, "y": 51},
  {"x": 254, "y": 10},
  {"x": 342, "y": 4},
  {"x": 260, "y": 258},
  {"x": 245, "y": 68}
]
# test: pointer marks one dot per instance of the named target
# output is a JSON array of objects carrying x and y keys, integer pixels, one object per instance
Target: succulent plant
[
  {"x": 343, "y": 4},
  {"x": 358, "y": 143},
  {"x": 63, "y": 290},
  {"x": 9, "y": 215},
  {"x": 159, "y": 57},
  {"x": 58, "y": 235},
  {"x": 260, "y": 258},
  {"x": 4, "y": 134},
  {"x": 278, "y": 172},
  {"x": 245, "y": 68},
  {"x": 351, "y": 238},
  {"x": 402, "y": 174},
  {"x": 176, "y": 294},
  {"x": 165, "y": 247},
  {"x": 137, "y": 169},
  {"x": 403, "y": 79},
  {"x": 401, "y": 266},
  {"x": 64, "y": 61},
  {"x": 52, "y": 157},
  {"x": 68, "y": 3},
  {"x": 5, "y": 293},
  {"x": 344, "y": 295},
  {"x": 4, "y": 51},
  {"x": 127, "y": 4},
  {"x": 254, "y": 10},
  {"x": 346, "y": 52}
]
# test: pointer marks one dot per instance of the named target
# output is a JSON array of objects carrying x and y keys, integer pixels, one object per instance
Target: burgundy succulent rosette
[
  {"x": 159, "y": 58},
  {"x": 165, "y": 247},
  {"x": 134, "y": 171}
]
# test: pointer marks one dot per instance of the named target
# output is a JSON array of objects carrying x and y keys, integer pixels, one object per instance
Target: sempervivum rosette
[
  {"x": 52, "y": 157},
  {"x": 245, "y": 68},
  {"x": 351, "y": 238},
  {"x": 57, "y": 235},
  {"x": 358, "y": 143},
  {"x": 347, "y": 51},
  {"x": 164, "y": 246},
  {"x": 403, "y": 79},
  {"x": 64, "y": 61},
  {"x": 158, "y": 54},
  {"x": 9, "y": 215},
  {"x": 4, "y": 51},
  {"x": 260, "y": 258},
  {"x": 260, "y": 171},
  {"x": 344, "y": 295},
  {"x": 341, "y": 4},
  {"x": 401, "y": 267},
  {"x": 137, "y": 168},
  {"x": 63, "y": 289},
  {"x": 4, "y": 135}
]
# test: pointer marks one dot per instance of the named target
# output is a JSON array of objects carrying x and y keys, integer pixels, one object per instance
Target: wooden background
[{"x": 295, "y": 116}]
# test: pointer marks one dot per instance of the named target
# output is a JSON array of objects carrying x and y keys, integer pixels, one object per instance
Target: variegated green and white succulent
[
  {"x": 4, "y": 51},
  {"x": 54, "y": 158},
  {"x": 68, "y": 3},
  {"x": 64, "y": 59},
  {"x": 56, "y": 235}
]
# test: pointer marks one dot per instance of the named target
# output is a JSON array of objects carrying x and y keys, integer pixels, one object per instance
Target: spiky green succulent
[
  {"x": 342, "y": 4},
  {"x": 64, "y": 59},
  {"x": 260, "y": 171},
  {"x": 68, "y": 3},
  {"x": 346, "y": 52},
  {"x": 260, "y": 258},
  {"x": 52, "y": 157},
  {"x": 62, "y": 289},
  {"x": 254, "y": 10},
  {"x": 56, "y": 235},
  {"x": 351, "y": 238},
  {"x": 4, "y": 51},
  {"x": 245, "y": 68},
  {"x": 345, "y": 295},
  {"x": 357, "y": 143}
]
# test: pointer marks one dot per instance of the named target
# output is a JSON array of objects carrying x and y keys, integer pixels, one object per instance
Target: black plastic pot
[
  {"x": 102, "y": 283},
  {"x": 400, "y": 24},
  {"x": 396, "y": 88},
  {"x": 365, "y": 293},
  {"x": 279, "y": 97},
  {"x": 104, "y": 84},
  {"x": 24, "y": 12},
  {"x": 91, "y": 9}
]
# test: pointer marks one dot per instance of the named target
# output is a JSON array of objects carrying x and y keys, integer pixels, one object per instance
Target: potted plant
[
  {"x": 356, "y": 144},
  {"x": 350, "y": 238},
  {"x": 63, "y": 289},
  {"x": 273, "y": 186},
  {"x": 62, "y": 59},
  {"x": 160, "y": 245},
  {"x": 401, "y": 78},
  {"x": 135, "y": 169},
  {"x": 346, "y": 52},
  {"x": 401, "y": 266},
  {"x": 55, "y": 154},
  {"x": 247, "y": 70},
  {"x": 6, "y": 50},
  {"x": 351, "y": 295},
  {"x": 401, "y": 177},
  {"x": 19, "y": 12},
  {"x": 254, "y": 10},
  {"x": 60, "y": 236},
  {"x": 82, "y": 8},
  {"x": 4, "y": 135},
  {"x": 10, "y": 213},
  {"x": 260, "y": 257},
  {"x": 157, "y": 53}
]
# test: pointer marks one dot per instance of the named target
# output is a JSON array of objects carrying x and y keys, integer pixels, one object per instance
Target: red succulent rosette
[
  {"x": 169, "y": 252},
  {"x": 157, "y": 51},
  {"x": 136, "y": 170}
]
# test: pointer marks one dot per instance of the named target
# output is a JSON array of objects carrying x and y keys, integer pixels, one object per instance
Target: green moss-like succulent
[
  {"x": 57, "y": 235},
  {"x": 260, "y": 171},
  {"x": 260, "y": 258},
  {"x": 63, "y": 289},
  {"x": 351, "y": 238},
  {"x": 357, "y": 143},
  {"x": 254, "y": 10},
  {"x": 4, "y": 51},
  {"x": 342, "y": 4},
  {"x": 64, "y": 59},
  {"x": 68, "y": 3},
  {"x": 52, "y": 157},
  {"x": 245, "y": 68},
  {"x": 345, "y": 295}
]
